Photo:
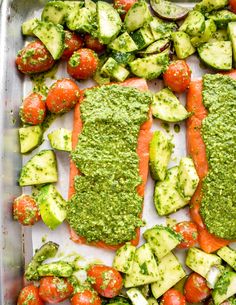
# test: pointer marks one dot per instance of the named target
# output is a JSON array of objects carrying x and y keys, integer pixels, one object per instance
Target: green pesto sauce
[
  {"x": 218, "y": 206},
  {"x": 106, "y": 206}
]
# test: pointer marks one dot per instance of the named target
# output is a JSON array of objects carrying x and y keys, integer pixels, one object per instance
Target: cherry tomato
[
  {"x": 196, "y": 289},
  {"x": 62, "y": 96},
  {"x": 29, "y": 296},
  {"x": 188, "y": 230},
  {"x": 34, "y": 58},
  {"x": 124, "y": 5},
  {"x": 25, "y": 210},
  {"x": 107, "y": 281},
  {"x": 86, "y": 297},
  {"x": 33, "y": 109},
  {"x": 173, "y": 297},
  {"x": 73, "y": 42},
  {"x": 232, "y": 6},
  {"x": 93, "y": 43},
  {"x": 177, "y": 76},
  {"x": 82, "y": 64},
  {"x": 54, "y": 290}
]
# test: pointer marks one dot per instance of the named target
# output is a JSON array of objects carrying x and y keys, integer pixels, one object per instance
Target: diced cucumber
[
  {"x": 30, "y": 138},
  {"x": 170, "y": 272},
  {"x": 224, "y": 288},
  {"x": 217, "y": 55},
  {"x": 206, "y": 6},
  {"x": 109, "y": 22},
  {"x": 51, "y": 206},
  {"x": 28, "y": 26},
  {"x": 152, "y": 301},
  {"x": 60, "y": 268},
  {"x": 123, "y": 43},
  {"x": 48, "y": 250},
  {"x": 136, "y": 297},
  {"x": 181, "y": 284},
  {"x": 194, "y": 24},
  {"x": 156, "y": 47},
  {"x": 98, "y": 77},
  {"x": 123, "y": 259},
  {"x": 122, "y": 58},
  {"x": 182, "y": 45},
  {"x": 166, "y": 198},
  {"x": 201, "y": 262},
  {"x": 138, "y": 16},
  {"x": 151, "y": 66},
  {"x": 166, "y": 106},
  {"x": 161, "y": 29},
  {"x": 61, "y": 139},
  {"x": 40, "y": 169},
  {"x": 232, "y": 36},
  {"x": 228, "y": 255},
  {"x": 52, "y": 36},
  {"x": 112, "y": 69},
  {"x": 219, "y": 35},
  {"x": 143, "y": 37},
  {"x": 162, "y": 240},
  {"x": 144, "y": 268},
  {"x": 187, "y": 178},
  {"x": 55, "y": 11},
  {"x": 160, "y": 150},
  {"x": 222, "y": 18},
  {"x": 210, "y": 29}
]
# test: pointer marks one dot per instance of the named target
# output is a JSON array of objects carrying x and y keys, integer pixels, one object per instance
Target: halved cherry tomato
[
  {"x": 29, "y": 295},
  {"x": 107, "y": 281},
  {"x": 232, "y": 6},
  {"x": 173, "y": 297},
  {"x": 54, "y": 290},
  {"x": 86, "y": 297},
  {"x": 73, "y": 42},
  {"x": 25, "y": 210},
  {"x": 124, "y": 5},
  {"x": 196, "y": 289},
  {"x": 188, "y": 230},
  {"x": 93, "y": 43},
  {"x": 34, "y": 58},
  {"x": 82, "y": 64},
  {"x": 33, "y": 109},
  {"x": 177, "y": 76},
  {"x": 62, "y": 96}
]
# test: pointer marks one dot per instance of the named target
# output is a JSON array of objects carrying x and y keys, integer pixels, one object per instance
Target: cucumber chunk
[
  {"x": 30, "y": 138},
  {"x": 152, "y": 301},
  {"x": 194, "y": 24},
  {"x": 122, "y": 58},
  {"x": 217, "y": 55},
  {"x": 138, "y": 16},
  {"x": 156, "y": 47},
  {"x": 182, "y": 45},
  {"x": 40, "y": 169},
  {"x": 61, "y": 139},
  {"x": 109, "y": 22},
  {"x": 123, "y": 43},
  {"x": 201, "y": 262},
  {"x": 136, "y": 297},
  {"x": 232, "y": 36},
  {"x": 167, "y": 107},
  {"x": 51, "y": 206},
  {"x": 168, "y": 10},
  {"x": 161, "y": 29},
  {"x": 206, "y": 6},
  {"x": 167, "y": 199},
  {"x": 28, "y": 26},
  {"x": 124, "y": 258},
  {"x": 54, "y": 11},
  {"x": 151, "y": 66},
  {"x": 52, "y": 36},
  {"x": 228, "y": 255},
  {"x": 170, "y": 272},
  {"x": 143, "y": 37},
  {"x": 60, "y": 268},
  {"x": 222, "y": 18},
  {"x": 219, "y": 35},
  {"x": 224, "y": 288},
  {"x": 162, "y": 240},
  {"x": 112, "y": 69},
  {"x": 187, "y": 177},
  {"x": 47, "y": 250},
  {"x": 210, "y": 29},
  {"x": 160, "y": 150}
]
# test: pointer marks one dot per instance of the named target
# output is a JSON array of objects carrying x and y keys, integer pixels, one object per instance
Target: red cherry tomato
[
  {"x": 232, "y": 6},
  {"x": 33, "y": 109},
  {"x": 124, "y": 5},
  {"x": 54, "y": 289},
  {"x": 107, "y": 281},
  {"x": 82, "y": 64},
  {"x": 177, "y": 76},
  {"x": 173, "y": 297},
  {"x": 25, "y": 210},
  {"x": 93, "y": 44},
  {"x": 73, "y": 42},
  {"x": 188, "y": 230},
  {"x": 29, "y": 296},
  {"x": 34, "y": 58},
  {"x": 196, "y": 289},
  {"x": 86, "y": 297},
  {"x": 62, "y": 96}
]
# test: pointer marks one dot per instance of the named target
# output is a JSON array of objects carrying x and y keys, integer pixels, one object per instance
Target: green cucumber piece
[
  {"x": 228, "y": 255},
  {"x": 123, "y": 43},
  {"x": 143, "y": 37},
  {"x": 112, "y": 69},
  {"x": 222, "y": 18},
  {"x": 122, "y": 58},
  {"x": 219, "y": 35},
  {"x": 194, "y": 24},
  {"x": 210, "y": 29},
  {"x": 61, "y": 139},
  {"x": 182, "y": 45},
  {"x": 156, "y": 47},
  {"x": 60, "y": 268},
  {"x": 206, "y": 6},
  {"x": 152, "y": 301},
  {"x": 161, "y": 29},
  {"x": 28, "y": 26},
  {"x": 124, "y": 258},
  {"x": 30, "y": 138},
  {"x": 54, "y": 11},
  {"x": 225, "y": 288},
  {"x": 232, "y": 36},
  {"x": 136, "y": 297}
]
